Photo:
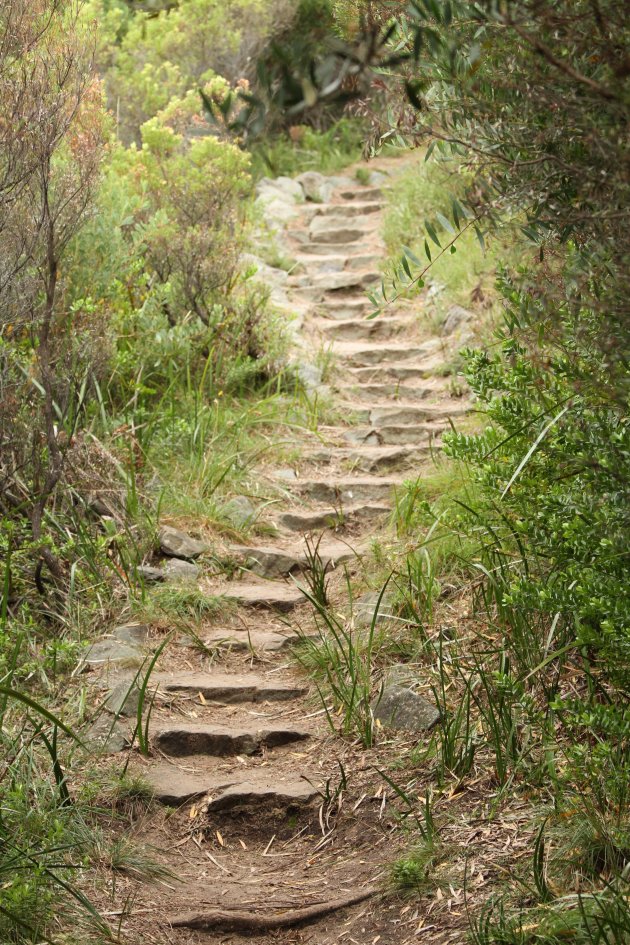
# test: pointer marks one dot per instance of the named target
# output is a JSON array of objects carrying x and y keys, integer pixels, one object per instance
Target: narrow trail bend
[{"x": 269, "y": 842}]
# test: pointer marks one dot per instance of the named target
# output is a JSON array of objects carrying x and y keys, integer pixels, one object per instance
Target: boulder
[
  {"x": 399, "y": 708},
  {"x": 124, "y": 698},
  {"x": 134, "y": 633},
  {"x": 177, "y": 544},
  {"x": 316, "y": 187},
  {"x": 285, "y": 187},
  {"x": 239, "y": 511},
  {"x": 111, "y": 650},
  {"x": 456, "y": 317},
  {"x": 176, "y": 571},
  {"x": 150, "y": 575}
]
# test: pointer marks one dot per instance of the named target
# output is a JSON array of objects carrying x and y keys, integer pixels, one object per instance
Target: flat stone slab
[
  {"x": 354, "y": 329},
  {"x": 134, "y": 633},
  {"x": 267, "y": 562},
  {"x": 229, "y": 687},
  {"x": 416, "y": 413},
  {"x": 113, "y": 651},
  {"x": 269, "y": 596},
  {"x": 360, "y": 356},
  {"x": 349, "y": 489},
  {"x": 259, "y": 641},
  {"x": 357, "y": 208},
  {"x": 306, "y": 522},
  {"x": 259, "y": 793},
  {"x": 227, "y": 791},
  {"x": 373, "y": 459},
  {"x": 178, "y": 544},
  {"x": 174, "y": 787},
  {"x": 181, "y": 739},
  {"x": 274, "y": 562},
  {"x": 408, "y": 434}
]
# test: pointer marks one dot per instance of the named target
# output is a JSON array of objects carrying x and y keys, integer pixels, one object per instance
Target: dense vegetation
[{"x": 134, "y": 342}]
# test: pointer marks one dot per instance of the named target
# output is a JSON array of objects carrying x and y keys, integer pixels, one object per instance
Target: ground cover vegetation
[
  {"x": 525, "y": 104},
  {"x": 141, "y": 367}
]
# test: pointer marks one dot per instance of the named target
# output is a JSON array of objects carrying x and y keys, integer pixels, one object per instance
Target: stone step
[
  {"x": 365, "y": 193},
  {"x": 396, "y": 372},
  {"x": 348, "y": 489},
  {"x": 345, "y": 263},
  {"x": 373, "y": 459},
  {"x": 432, "y": 365},
  {"x": 403, "y": 414},
  {"x": 392, "y": 393},
  {"x": 356, "y": 329},
  {"x": 319, "y": 250},
  {"x": 229, "y": 687},
  {"x": 356, "y": 354},
  {"x": 306, "y": 522},
  {"x": 272, "y": 562},
  {"x": 334, "y": 281},
  {"x": 183, "y": 739},
  {"x": 338, "y": 229},
  {"x": 174, "y": 787},
  {"x": 255, "y": 641},
  {"x": 263, "y": 794},
  {"x": 356, "y": 208},
  {"x": 405, "y": 434},
  {"x": 269, "y": 595},
  {"x": 343, "y": 309}
]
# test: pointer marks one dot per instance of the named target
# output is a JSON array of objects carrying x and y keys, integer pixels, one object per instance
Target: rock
[
  {"x": 177, "y": 571},
  {"x": 399, "y": 708},
  {"x": 286, "y": 187},
  {"x": 107, "y": 737},
  {"x": 350, "y": 489},
  {"x": 269, "y": 275},
  {"x": 313, "y": 521},
  {"x": 178, "y": 544},
  {"x": 256, "y": 641},
  {"x": 267, "y": 562},
  {"x": 455, "y": 318},
  {"x": 365, "y": 607},
  {"x": 316, "y": 187},
  {"x": 239, "y": 511},
  {"x": 124, "y": 698},
  {"x": 135, "y": 633},
  {"x": 287, "y": 475},
  {"x": 196, "y": 738},
  {"x": 269, "y": 595},
  {"x": 150, "y": 575},
  {"x": 276, "y": 212},
  {"x": 329, "y": 230},
  {"x": 377, "y": 178},
  {"x": 309, "y": 375},
  {"x": 113, "y": 651},
  {"x": 230, "y": 687},
  {"x": 260, "y": 794}
]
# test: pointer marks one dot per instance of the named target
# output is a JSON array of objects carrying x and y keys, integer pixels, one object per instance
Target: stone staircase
[{"x": 241, "y": 750}]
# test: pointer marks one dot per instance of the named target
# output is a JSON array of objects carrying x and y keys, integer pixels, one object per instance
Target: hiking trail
[{"x": 276, "y": 828}]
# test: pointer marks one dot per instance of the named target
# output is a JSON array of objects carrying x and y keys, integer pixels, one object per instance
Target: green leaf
[
  {"x": 427, "y": 250},
  {"x": 482, "y": 242},
  {"x": 432, "y": 232},
  {"x": 445, "y": 223},
  {"x": 412, "y": 256}
]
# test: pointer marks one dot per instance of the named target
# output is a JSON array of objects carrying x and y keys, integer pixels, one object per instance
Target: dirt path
[{"x": 278, "y": 830}]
